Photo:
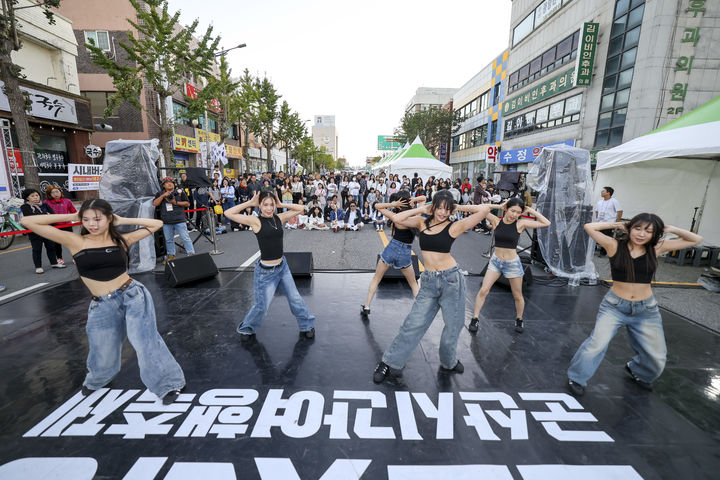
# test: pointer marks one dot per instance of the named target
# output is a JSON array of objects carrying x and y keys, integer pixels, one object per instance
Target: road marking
[
  {"x": 37, "y": 285},
  {"x": 16, "y": 250},
  {"x": 250, "y": 260},
  {"x": 385, "y": 241}
]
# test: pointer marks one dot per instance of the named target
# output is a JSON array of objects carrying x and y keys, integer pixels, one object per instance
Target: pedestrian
[
  {"x": 297, "y": 188},
  {"x": 58, "y": 204},
  {"x": 271, "y": 269},
  {"x": 608, "y": 210},
  {"x": 228, "y": 193},
  {"x": 286, "y": 191},
  {"x": 173, "y": 202},
  {"x": 442, "y": 286},
  {"x": 34, "y": 206},
  {"x": 398, "y": 252},
  {"x": 505, "y": 260},
  {"x": 215, "y": 199},
  {"x": 630, "y": 301},
  {"x": 121, "y": 307},
  {"x": 336, "y": 217}
]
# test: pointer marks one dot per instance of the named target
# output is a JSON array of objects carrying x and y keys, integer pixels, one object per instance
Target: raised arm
[
  {"x": 594, "y": 229},
  {"x": 41, "y": 224},
  {"x": 477, "y": 214},
  {"x": 234, "y": 213},
  {"x": 148, "y": 226},
  {"x": 293, "y": 210},
  {"x": 687, "y": 239},
  {"x": 411, "y": 218},
  {"x": 540, "y": 221}
]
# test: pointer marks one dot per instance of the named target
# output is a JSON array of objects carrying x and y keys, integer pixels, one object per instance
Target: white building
[
  {"x": 427, "y": 97},
  {"x": 325, "y": 134}
]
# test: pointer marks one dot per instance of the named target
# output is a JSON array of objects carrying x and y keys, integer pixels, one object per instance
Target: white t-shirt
[
  {"x": 607, "y": 210},
  {"x": 354, "y": 187}
]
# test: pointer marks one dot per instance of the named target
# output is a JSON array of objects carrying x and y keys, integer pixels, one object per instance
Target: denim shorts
[
  {"x": 397, "y": 254},
  {"x": 510, "y": 268}
]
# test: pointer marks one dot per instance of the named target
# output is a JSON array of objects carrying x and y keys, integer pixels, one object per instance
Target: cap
[{"x": 167, "y": 179}]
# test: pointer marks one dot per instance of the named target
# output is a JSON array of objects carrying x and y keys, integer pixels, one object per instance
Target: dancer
[
  {"x": 398, "y": 252},
  {"x": 121, "y": 307},
  {"x": 271, "y": 270},
  {"x": 630, "y": 301},
  {"x": 442, "y": 286},
  {"x": 505, "y": 260}
]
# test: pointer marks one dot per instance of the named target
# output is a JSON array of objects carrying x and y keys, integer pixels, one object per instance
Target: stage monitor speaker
[
  {"x": 300, "y": 263},
  {"x": 504, "y": 282},
  {"x": 188, "y": 269},
  {"x": 394, "y": 273}
]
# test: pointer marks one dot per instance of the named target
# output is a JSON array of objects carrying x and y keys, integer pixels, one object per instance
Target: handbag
[{"x": 218, "y": 209}]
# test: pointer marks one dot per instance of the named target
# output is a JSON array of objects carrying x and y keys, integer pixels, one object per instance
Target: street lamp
[
  {"x": 312, "y": 155},
  {"x": 223, "y": 52}
]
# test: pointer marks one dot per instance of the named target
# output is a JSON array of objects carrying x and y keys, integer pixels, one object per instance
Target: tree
[
  {"x": 307, "y": 152},
  {"x": 291, "y": 130},
  {"x": 268, "y": 115},
  {"x": 245, "y": 101},
  {"x": 434, "y": 127},
  {"x": 163, "y": 56},
  {"x": 11, "y": 75}
]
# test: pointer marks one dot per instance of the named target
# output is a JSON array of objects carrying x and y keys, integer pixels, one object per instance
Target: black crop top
[
  {"x": 404, "y": 235},
  {"x": 101, "y": 264},
  {"x": 439, "y": 242},
  {"x": 270, "y": 238},
  {"x": 644, "y": 270},
  {"x": 507, "y": 235}
]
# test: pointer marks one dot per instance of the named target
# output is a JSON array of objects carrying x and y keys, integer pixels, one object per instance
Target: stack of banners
[{"x": 82, "y": 176}]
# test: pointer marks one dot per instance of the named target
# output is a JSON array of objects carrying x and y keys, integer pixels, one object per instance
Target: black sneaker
[
  {"x": 365, "y": 311},
  {"x": 519, "y": 325},
  {"x": 575, "y": 388},
  {"x": 381, "y": 371},
  {"x": 309, "y": 333},
  {"x": 458, "y": 368},
  {"x": 642, "y": 383},
  {"x": 170, "y": 397},
  {"x": 473, "y": 327},
  {"x": 86, "y": 391}
]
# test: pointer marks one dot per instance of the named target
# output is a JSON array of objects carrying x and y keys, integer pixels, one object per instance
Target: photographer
[{"x": 173, "y": 202}]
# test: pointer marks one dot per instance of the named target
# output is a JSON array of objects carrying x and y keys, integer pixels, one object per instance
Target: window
[
  {"x": 556, "y": 110},
  {"x": 564, "y": 47},
  {"x": 179, "y": 113},
  {"x": 559, "y": 113},
  {"x": 98, "y": 103},
  {"x": 536, "y": 18},
  {"x": 494, "y": 132},
  {"x": 524, "y": 28},
  {"x": 496, "y": 94},
  {"x": 553, "y": 58},
  {"x": 100, "y": 38},
  {"x": 484, "y": 101},
  {"x": 535, "y": 66}
]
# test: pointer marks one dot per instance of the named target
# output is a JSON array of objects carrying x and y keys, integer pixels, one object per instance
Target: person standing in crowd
[
  {"x": 415, "y": 180},
  {"x": 480, "y": 196},
  {"x": 215, "y": 198},
  {"x": 227, "y": 193},
  {"x": 242, "y": 191},
  {"x": 121, "y": 307},
  {"x": 630, "y": 301},
  {"x": 332, "y": 187},
  {"x": 398, "y": 252},
  {"x": 271, "y": 269},
  {"x": 608, "y": 210},
  {"x": 286, "y": 191},
  {"x": 391, "y": 190},
  {"x": 371, "y": 199},
  {"x": 442, "y": 286},
  {"x": 321, "y": 195},
  {"x": 59, "y": 205},
  {"x": 34, "y": 206},
  {"x": 297, "y": 188},
  {"x": 173, "y": 202},
  {"x": 363, "y": 191},
  {"x": 344, "y": 191},
  {"x": 381, "y": 190},
  {"x": 505, "y": 260},
  {"x": 371, "y": 183},
  {"x": 202, "y": 200},
  {"x": 354, "y": 190}
]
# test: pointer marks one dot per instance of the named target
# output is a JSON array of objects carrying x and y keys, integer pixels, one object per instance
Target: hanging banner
[
  {"x": 182, "y": 143},
  {"x": 233, "y": 151},
  {"x": 543, "y": 91},
  {"x": 586, "y": 55},
  {"x": 83, "y": 176}
]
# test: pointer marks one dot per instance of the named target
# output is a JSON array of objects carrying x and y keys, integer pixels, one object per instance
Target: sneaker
[
  {"x": 59, "y": 265},
  {"x": 575, "y": 388},
  {"x": 364, "y": 311},
  {"x": 488, "y": 232},
  {"x": 86, "y": 391},
  {"x": 2, "y": 288},
  {"x": 474, "y": 322},
  {"x": 39, "y": 270},
  {"x": 309, "y": 334},
  {"x": 168, "y": 258},
  {"x": 170, "y": 397},
  {"x": 60, "y": 261},
  {"x": 519, "y": 325},
  {"x": 381, "y": 371},
  {"x": 642, "y": 383},
  {"x": 458, "y": 368}
]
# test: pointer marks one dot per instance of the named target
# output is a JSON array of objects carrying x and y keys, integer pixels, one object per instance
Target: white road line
[
  {"x": 250, "y": 260},
  {"x": 37, "y": 285}
]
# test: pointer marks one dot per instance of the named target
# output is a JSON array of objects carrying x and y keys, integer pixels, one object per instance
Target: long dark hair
[
  {"x": 623, "y": 259},
  {"x": 106, "y": 210},
  {"x": 400, "y": 195},
  {"x": 516, "y": 202},
  {"x": 442, "y": 198}
]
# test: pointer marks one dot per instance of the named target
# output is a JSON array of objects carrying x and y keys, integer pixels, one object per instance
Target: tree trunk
[
  {"x": 9, "y": 72},
  {"x": 246, "y": 151},
  {"x": 269, "y": 156},
  {"x": 165, "y": 132}
]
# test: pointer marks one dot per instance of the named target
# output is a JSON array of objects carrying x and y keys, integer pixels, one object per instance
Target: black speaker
[
  {"x": 504, "y": 282},
  {"x": 188, "y": 269},
  {"x": 395, "y": 274},
  {"x": 300, "y": 263}
]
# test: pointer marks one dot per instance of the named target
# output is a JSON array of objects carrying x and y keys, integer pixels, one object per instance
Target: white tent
[
  {"x": 416, "y": 159},
  {"x": 672, "y": 171}
]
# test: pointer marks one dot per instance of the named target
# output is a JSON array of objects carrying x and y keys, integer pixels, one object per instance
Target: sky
[{"x": 361, "y": 61}]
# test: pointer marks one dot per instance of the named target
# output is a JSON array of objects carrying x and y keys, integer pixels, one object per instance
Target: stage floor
[{"x": 285, "y": 407}]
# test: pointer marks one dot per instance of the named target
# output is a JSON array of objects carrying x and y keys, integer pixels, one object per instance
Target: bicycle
[{"x": 10, "y": 211}]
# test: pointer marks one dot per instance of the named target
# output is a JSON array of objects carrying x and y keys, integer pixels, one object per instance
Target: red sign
[
  {"x": 15, "y": 160},
  {"x": 492, "y": 153},
  {"x": 192, "y": 92}
]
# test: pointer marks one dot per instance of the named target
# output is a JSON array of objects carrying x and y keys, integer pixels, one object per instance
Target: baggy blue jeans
[
  {"x": 644, "y": 325},
  {"x": 438, "y": 290},
  {"x": 129, "y": 313},
  {"x": 266, "y": 281},
  {"x": 169, "y": 233}
]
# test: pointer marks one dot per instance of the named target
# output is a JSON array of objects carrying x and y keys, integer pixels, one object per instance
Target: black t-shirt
[{"x": 173, "y": 214}]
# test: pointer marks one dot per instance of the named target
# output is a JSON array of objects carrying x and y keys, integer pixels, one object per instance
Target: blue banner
[{"x": 527, "y": 154}]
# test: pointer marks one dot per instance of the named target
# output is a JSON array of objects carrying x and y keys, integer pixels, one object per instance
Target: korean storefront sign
[
  {"x": 44, "y": 105},
  {"x": 543, "y": 91},
  {"x": 83, "y": 176},
  {"x": 201, "y": 135},
  {"x": 233, "y": 151},
  {"x": 689, "y": 36},
  {"x": 527, "y": 154},
  {"x": 184, "y": 144},
  {"x": 586, "y": 54},
  {"x": 492, "y": 153}
]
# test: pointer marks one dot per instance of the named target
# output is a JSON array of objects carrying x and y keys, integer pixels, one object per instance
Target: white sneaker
[
  {"x": 39, "y": 270},
  {"x": 59, "y": 265},
  {"x": 61, "y": 261}
]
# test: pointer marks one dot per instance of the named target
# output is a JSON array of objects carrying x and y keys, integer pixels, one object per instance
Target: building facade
[
  {"x": 325, "y": 134},
  {"x": 429, "y": 97}
]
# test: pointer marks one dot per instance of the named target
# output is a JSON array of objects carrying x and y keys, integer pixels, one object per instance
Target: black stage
[{"x": 286, "y": 408}]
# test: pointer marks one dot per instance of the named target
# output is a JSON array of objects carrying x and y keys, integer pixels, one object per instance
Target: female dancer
[
  {"x": 505, "y": 260},
  {"x": 397, "y": 253},
  {"x": 120, "y": 306},
  {"x": 630, "y": 301},
  {"x": 271, "y": 270},
  {"x": 442, "y": 286}
]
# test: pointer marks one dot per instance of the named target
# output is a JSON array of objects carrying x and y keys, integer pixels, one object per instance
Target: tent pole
[{"x": 702, "y": 205}]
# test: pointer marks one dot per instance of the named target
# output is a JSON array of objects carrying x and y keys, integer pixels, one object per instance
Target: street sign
[
  {"x": 390, "y": 142},
  {"x": 93, "y": 151},
  {"x": 492, "y": 152}
]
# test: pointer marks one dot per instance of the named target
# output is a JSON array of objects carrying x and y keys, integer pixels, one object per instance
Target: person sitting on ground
[
  {"x": 302, "y": 217},
  {"x": 315, "y": 220},
  {"x": 353, "y": 219},
  {"x": 378, "y": 219},
  {"x": 337, "y": 217}
]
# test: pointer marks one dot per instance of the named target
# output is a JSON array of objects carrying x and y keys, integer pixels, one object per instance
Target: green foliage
[
  {"x": 434, "y": 126},
  {"x": 222, "y": 89}
]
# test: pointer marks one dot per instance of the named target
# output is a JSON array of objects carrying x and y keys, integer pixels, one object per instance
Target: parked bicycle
[{"x": 10, "y": 211}]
